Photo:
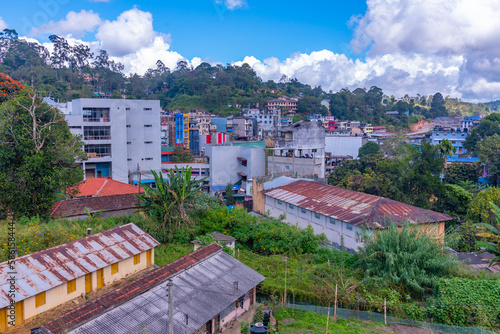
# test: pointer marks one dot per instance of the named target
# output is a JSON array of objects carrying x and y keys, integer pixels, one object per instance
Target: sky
[{"x": 402, "y": 46}]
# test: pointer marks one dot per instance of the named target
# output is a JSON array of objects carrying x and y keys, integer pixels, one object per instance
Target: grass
[
  {"x": 312, "y": 323},
  {"x": 165, "y": 254}
]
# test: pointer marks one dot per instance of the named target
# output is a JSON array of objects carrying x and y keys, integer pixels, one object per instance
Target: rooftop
[
  {"x": 44, "y": 270},
  {"x": 98, "y": 187},
  {"x": 203, "y": 286},
  {"x": 79, "y": 206},
  {"x": 351, "y": 206}
]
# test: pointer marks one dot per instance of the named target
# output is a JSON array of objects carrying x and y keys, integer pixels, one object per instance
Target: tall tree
[
  {"x": 489, "y": 153},
  {"x": 37, "y": 155},
  {"x": 491, "y": 236}
]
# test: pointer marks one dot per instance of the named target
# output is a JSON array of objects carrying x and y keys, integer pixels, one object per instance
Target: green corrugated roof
[
  {"x": 167, "y": 149},
  {"x": 253, "y": 144}
]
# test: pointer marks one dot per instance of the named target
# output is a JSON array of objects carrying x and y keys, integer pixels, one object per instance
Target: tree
[
  {"x": 370, "y": 150},
  {"x": 438, "y": 108},
  {"x": 309, "y": 104},
  {"x": 170, "y": 200},
  {"x": 455, "y": 200},
  {"x": 446, "y": 148},
  {"x": 480, "y": 208},
  {"x": 457, "y": 173},
  {"x": 407, "y": 258},
  {"x": 229, "y": 194},
  {"x": 182, "y": 155},
  {"x": 489, "y": 153},
  {"x": 491, "y": 235},
  {"x": 488, "y": 126},
  {"x": 37, "y": 155},
  {"x": 8, "y": 87}
]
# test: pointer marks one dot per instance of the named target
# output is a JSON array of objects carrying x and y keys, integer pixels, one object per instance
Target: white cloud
[
  {"x": 132, "y": 31},
  {"x": 75, "y": 24},
  {"x": 232, "y": 4},
  {"x": 3, "y": 25}
]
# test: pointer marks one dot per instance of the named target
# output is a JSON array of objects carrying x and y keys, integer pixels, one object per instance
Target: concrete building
[
  {"x": 267, "y": 121},
  {"x": 455, "y": 136},
  {"x": 339, "y": 212},
  {"x": 447, "y": 122},
  {"x": 51, "y": 277},
  {"x": 470, "y": 122},
  {"x": 284, "y": 103},
  {"x": 344, "y": 145},
  {"x": 299, "y": 148},
  {"x": 235, "y": 163},
  {"x": 119, "y": 136},
  {"x": 210, "y": 289},
  {"x": 203, "y": 121},
  {"x": 241, "y": 127}
]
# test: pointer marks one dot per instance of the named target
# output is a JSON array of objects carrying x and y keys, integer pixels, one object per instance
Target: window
[
  {"x": 96, "y": 132},
  {"x": 290, "y": 206},
  {"x": 349, "y": 227},
  {"x": 96, "y": 114},
  {"x": 437, "y": 134},
  {"x": 148, "y": 142},
  {"x": 127, "y": 109},
  {"x": 279, "y": 202},
  {"x": 75, "y": 127},
  {"x": 114, "y": 268},
  {"x": 129, "y": 142},
  {"x": 137, "y": 258},
  {"x": 98, "y": 151},
  {"x": 148, "y": 109},
  {"x": 445, "y": 134},
  {"x": 148, "y": 159},
  {"x": 129, "y": 159},
  {"x": 71, "y": 285},
  {"x": 287, "y": 167},
  {"x": 148, "y": 126},
  {"x": 128, "y": 126},
  {"x": 40, "y": 299},
  {"x": 332, "y": 220},
  {"x": 303, "y": 210},
  {"x": 316, "y": 215}
]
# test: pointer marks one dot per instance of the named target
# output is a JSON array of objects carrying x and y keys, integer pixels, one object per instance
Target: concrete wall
[
  {"x": 258, "y": 198},
  {"x": 309, "y": 134},
  {"x": 59, "y": 294},
  {"x": 302, "y": 166},
  {"x": 344, "y": 145},
  {"x": 333, "y": 229},
  {"x": 127, "y": 122}
]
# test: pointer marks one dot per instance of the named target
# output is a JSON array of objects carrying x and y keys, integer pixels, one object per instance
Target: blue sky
[{"x": 404, "y": 47}]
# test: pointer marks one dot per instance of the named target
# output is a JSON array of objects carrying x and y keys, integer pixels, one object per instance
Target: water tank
[
  {"x": 258, "y": 328},
  {"x": 267, "y": 317}
]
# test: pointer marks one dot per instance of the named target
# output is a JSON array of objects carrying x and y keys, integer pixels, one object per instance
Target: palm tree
[
  {"x": 170, "y": 200},
  {"x": 491, "y": 232},
  {"x": 446, "y": 148}
]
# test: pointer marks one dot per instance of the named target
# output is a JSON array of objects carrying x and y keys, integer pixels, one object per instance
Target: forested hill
[{"x": 71, "y": 72}]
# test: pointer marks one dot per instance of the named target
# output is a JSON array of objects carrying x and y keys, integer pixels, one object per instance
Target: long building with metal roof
[
  {"x": 210, "y": 288},
  {"x": 340, "y": 212},
  {"x": 48, "y": 278}
]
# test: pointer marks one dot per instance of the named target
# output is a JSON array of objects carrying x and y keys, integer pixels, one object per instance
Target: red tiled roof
[
  {"x": 351, "y": 206},
  {"x": 112, "y": 299},
  {"x": 98, "y": 187}
]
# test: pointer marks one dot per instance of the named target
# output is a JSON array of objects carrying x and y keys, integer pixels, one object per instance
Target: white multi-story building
[{"x": 121, "y": 136}]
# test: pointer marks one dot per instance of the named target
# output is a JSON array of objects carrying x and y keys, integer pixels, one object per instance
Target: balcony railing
[
  {"x": 91, "y": 155},
  {"x": 101, "y": 119},
  {"x": 97, "y": 137}
]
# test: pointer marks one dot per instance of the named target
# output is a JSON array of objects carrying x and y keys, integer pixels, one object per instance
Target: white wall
[{"x": 343, "y": 145}]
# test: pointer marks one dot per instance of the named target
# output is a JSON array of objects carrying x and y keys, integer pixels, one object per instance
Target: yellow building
[
  {"x": 185, "y": 131},
  {"x": 43, "y": 280}
]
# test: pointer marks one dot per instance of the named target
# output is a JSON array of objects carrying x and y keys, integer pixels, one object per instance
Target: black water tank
[
  {"x": 267, "y": 317},
  {"x": 258, "y": 328}
]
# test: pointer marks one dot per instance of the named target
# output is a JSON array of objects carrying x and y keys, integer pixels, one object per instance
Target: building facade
[
  {"x": 120, "y": 136},
  {"x": 455, "y": 136}
]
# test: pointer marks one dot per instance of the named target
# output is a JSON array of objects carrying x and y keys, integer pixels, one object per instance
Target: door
[
  {"x": 100, "y": 278},
  {"x": 209, "y": 327},
  {"x": 148, "y": 257},
  {"x": 3, "y": 319},
  {"x": 217, "y": 323},
  {"x": 20, "y": 313},
  {"x": 88, "y": 283},
  {"x": 90, "y": 173}
]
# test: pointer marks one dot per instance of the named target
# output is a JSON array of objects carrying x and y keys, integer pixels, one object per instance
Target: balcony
[{"x": 97, "y": 137}]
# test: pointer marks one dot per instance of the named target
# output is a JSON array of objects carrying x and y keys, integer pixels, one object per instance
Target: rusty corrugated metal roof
[
  {"x": 44, "y": 270},
  {"x": 351, "y": 206}
]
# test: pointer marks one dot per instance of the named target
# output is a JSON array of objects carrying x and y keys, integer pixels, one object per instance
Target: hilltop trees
[{"x": 37, "y": 155}]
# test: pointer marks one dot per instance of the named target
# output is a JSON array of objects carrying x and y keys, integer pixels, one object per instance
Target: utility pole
[
  {"x": 170, "y": 308},
  {"x": 286, "y": 270}
]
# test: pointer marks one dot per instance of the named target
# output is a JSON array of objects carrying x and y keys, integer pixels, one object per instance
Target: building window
[
  {"x": 96, "y": 114},
  {"x": 437, "y": 134},
  {"x": 332, "y": 220},
  {"x": 148, "y": 109},
  {"x": 127, "y": 109},
  {"x": 148, "y": 126},
  {"x": 75, "y": 127},
  {"x": 279, "y": 202},
  {"x": 129, "y": 142},
  {"x": 71, "y": 286},
  {"x": 114, "y": 268},
  {"x": 148, "y": 142},
  {"x": 349, "y": 227},
  {"x": 40, "y": 299},
  {"x": 96, "y": 132},
  {"x": 303, "y": 210},
  {"x": 137, "y": 258},
  {"x": 98, "y": 151},
  {"x": 316, "y": 215},
  {"x": 129, "y": 159},
  {"x": 290, "y": 206},
  {"x": 148, "y": 159},
  {"x": 287, "y": 167}
]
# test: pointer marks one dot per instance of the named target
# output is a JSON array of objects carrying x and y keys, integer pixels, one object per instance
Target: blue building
[
  {"x": 179, "y": 135},
  {"x": 194, "y": 141},
  {"x": 455, "y": 136},
  {"x": 470, "y": 122}
]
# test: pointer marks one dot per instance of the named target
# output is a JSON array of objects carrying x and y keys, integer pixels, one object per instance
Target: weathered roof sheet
[
  {"x": 203, "y": 287},
  {"x": 99, "y": 187},
  {"x": 76, "y": 206},
  {"x": 280, "y": 181},
  {"x": 222, "y": 237},
  {"x": 351, "y": 206},
  {"x": 44, "y": 270}
]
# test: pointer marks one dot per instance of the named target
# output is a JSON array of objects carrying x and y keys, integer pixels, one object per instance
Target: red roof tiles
[{"x": 98, "y": 187}]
